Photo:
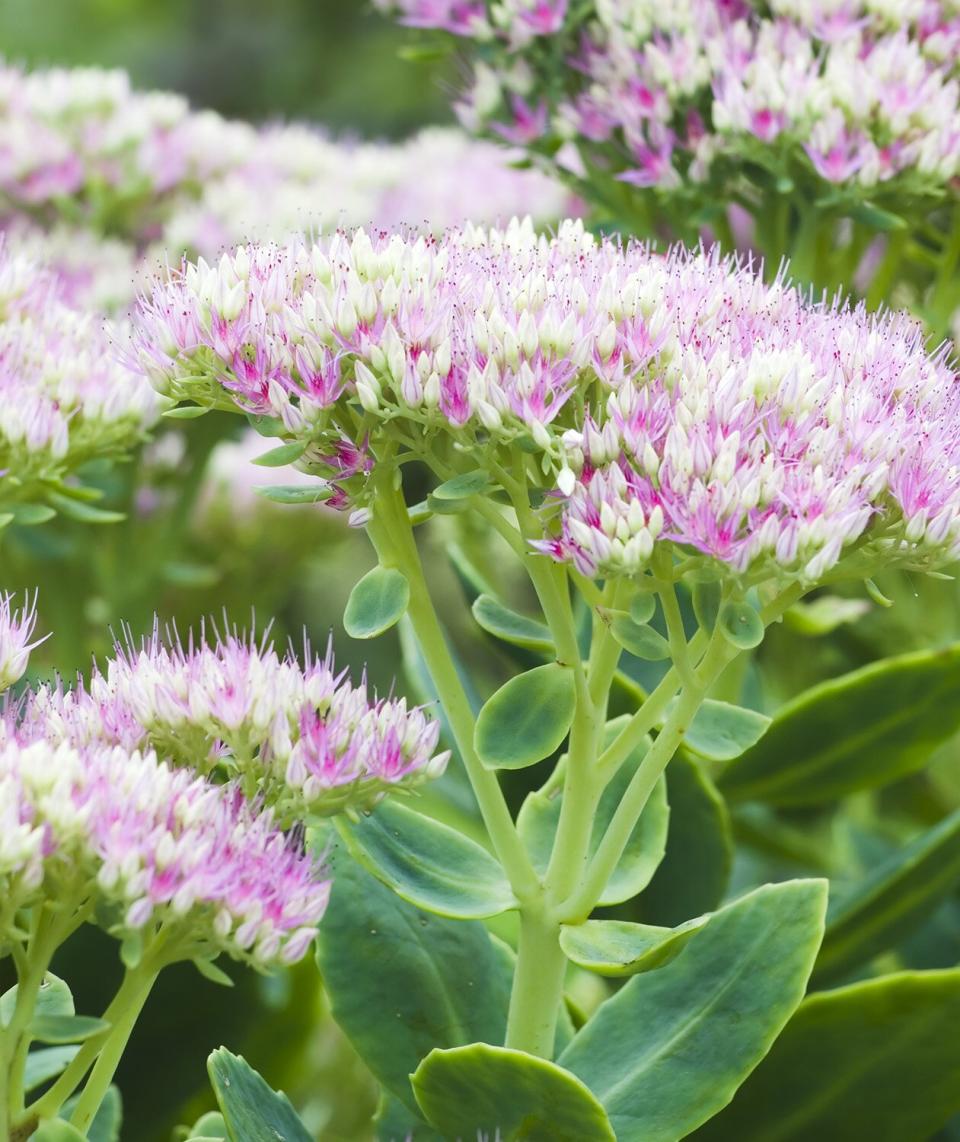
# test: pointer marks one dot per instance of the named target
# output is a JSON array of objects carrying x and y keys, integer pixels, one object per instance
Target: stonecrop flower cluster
[
  {"x": 153, "y": 845},
  {"x": 302, "y": 739},
  {"x": 66, "y": 398},
  {"x": 171, "y": 792},
  {"x": 861, "y": 92},
  {"x": 661, "y": 399},
  {"x": 81, "y": 149}
]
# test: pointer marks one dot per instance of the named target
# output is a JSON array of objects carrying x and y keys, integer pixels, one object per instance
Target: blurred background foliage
[{"x": 334, "y": 62}]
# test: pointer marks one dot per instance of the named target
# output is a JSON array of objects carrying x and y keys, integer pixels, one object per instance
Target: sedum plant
[
  {"x": 819, "y": 131},
  {"x": 674, "y": 453},
  {"x": 165, "y": 802}
]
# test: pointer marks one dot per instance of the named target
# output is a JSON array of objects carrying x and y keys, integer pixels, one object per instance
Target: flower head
[
  {"x": 66, "y": 398},
  {"x": 301, "y": 738},
  {"x": 16, "y": 630},
  {"x": 861, "y": 93},
  {"x": 670, "y": 400},
  {"x": 153, "y": 846}
]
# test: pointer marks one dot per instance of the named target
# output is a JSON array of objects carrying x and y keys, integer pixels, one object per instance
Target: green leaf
[
  {"x": 539, "y": 817},
  {"x": 706, "y": 603},
  {"x": 106, "y": 1123},
  {"x": 480, "y": 1089},
  {"x": 295, "y": 493},
  {"x": 855, "y": 732},
  {"x": 56, "y": 1130},
  {"x": 876, "y": 217},
  {"x": 498, "y": 620},
  {"x": 186, "y": 412},
  {"x": 878, "y": 1061},
  {"x": 741, "y": 625},
  {"x": 527, "y": 719},
  {"x": 619, "y": 948},
  {"x": 886, "y": 906},
  {"x": 46, "y": 1063},
  {"x": 282, "y": 455},
  {"x": 402, "y": 981},
  {"x": 428, "y": 863},
  {"x": 209, "y": 970},
  {"x": 641, "y": 641},
  {"x": 84, "y": 512},
  {"x": 376, "y": 603},
  {"x": 692, "y": 877},
  {"x": 720, "y": 731},
  {"x": 707, "y": 1017},
  {"x": 28, "y": 515},
  {"x": 250, "y": 1108},
  {"x": 463, "y": 486},
  {"x": 643, "y": 607},
  {"x": 53, "y": 998},
  {"x": 66, "y": 1028},
  {"x": 394, "y": 1122},
  {"x": 209, "y": 1127},
  {"x": 824, "y": 614},
  {"x": 266, "y": 425}
]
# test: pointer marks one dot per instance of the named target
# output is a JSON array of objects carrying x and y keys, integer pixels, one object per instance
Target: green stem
[
  {"x": 584, "y": 897},
  {"x": 112, "y": 1051},
  {"x": 49, "y": 929},
  {"x": 537, "y": 985},
  {"x": 392, "y": 535},
  {"x": 129, "y": 998}
]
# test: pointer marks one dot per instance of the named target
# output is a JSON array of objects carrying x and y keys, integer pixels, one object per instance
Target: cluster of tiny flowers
[
  {"x": 300, "y": 181},
  {"x": 82, "y": 144},
  {"x": 94, "y": 273},
  {"x": 301, "y": 738},
  {"x": 151, "y": 845},
  {"x": 676, "y": 399},
  {"x": 862, "y": 91},
  {"x": 16, "y": 631},
  {"x": 83, "y": 135},
  {"x": 65, "y": 396}
]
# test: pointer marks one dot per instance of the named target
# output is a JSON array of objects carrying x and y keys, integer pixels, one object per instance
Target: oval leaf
[
  {"x": 476, "y": 1091},
  {"x": 428, "y": 863},
  {"x": 877, "y": 913},
  {"x": 376, "y": 603},
  {"x": 527, "y": 719},
  {"x": 706, "y": 603},
  {"x": 641, "y": 641},
  {"x": 877, "y": 1061},
  {"x": 642, "y": 607},
  {"x": 708, "y": 1017},
  {"x": 741, "y": 625},
  {"x": 720, "y": 731},
  {"x": 855, "y": 732},
  {"x": 282, "y": 455},
  {"x": 66, "y": 1028},
  {"x": 53, "y": 998},
  {"x": 250, "y": 1108},
  {"x": 539, "y": 817},
  {"x": 402, "y": 981},
  {"x": 463, "y": 486},
  {"x": 46, "y": 1064},
  {"x": 619, "y": 948},
  {"x": 295, "y": 493},
  {"x": 693, "y": 875},
  {"x": 498, "y": 620}
]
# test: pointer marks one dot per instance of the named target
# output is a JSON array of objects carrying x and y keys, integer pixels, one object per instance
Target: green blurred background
[{"x": 332, "y": 61}]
